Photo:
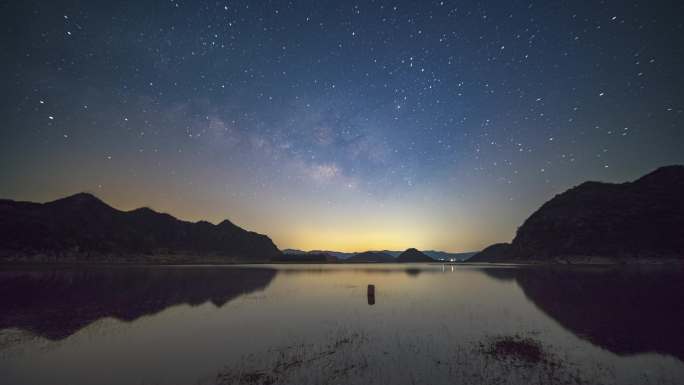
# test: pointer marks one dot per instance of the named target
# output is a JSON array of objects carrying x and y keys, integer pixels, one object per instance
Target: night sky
[{"x": 338, "y": 125}]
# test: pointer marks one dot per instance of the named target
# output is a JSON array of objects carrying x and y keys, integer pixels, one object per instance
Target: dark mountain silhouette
[
  {"x": 371, "y": 256},
  {"x": 294, "y": 251},
  {"x": 434, "y": 254},
  {"x": 333, "y": 255},
  {"x": 57, "y": 303},
  {"x": 83, "y": 228},
  {"x": 494, "y": 253},
  {"x": 413, "y": 255},
  {"x": 641, "y": 220},
  {"x": 309, "y": 257},
  {"x": 628, "y": 310},
  {"x": 442, "y": 255}
]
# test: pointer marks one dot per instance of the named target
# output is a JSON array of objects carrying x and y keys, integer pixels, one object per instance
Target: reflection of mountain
[
  {"x": 57, "y": 303},
  {"x": 626, "y": 311}
]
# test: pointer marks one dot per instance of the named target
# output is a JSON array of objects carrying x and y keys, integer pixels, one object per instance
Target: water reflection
[
  {"x": 419, "y": 321},
  {"x": 57, "y": 303},
  {"x": 627, "y": 310}
]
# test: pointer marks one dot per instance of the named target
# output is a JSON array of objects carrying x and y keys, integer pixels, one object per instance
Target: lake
[{"x": 317, "y": 324}]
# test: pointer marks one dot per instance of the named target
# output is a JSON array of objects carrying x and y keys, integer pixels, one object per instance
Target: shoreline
[{"x": 525, "y": 263}]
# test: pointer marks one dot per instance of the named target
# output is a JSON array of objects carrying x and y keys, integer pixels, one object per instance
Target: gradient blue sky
[{"x": 338, "y": 125}]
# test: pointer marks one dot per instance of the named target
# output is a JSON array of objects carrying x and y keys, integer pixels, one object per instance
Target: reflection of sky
[{"x": 338, "y": 126}]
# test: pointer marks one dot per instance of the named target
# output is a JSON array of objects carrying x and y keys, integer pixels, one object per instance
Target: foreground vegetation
[{"x": 355, "y": 358}]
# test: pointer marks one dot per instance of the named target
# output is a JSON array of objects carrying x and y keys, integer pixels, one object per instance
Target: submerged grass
[
  {"x": 355, "y": 358},
  {"x": 517, "y": 348},
  {"x": 334, "y": 361}
]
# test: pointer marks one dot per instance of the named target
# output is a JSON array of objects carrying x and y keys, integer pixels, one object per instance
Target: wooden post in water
[{"x": 371, "y": 294}]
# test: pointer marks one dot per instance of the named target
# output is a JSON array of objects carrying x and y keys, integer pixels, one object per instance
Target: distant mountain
[
  {"x": 413, "y": 255},
  {"x": 392, "y": 253},
  {"x": 83, "y": 228},
  {"x": 335, "y": 254},
  {"x": 436, "y": 255},
  {"x": 444, "y": 256},
  {"x": 293, "y": 251},
  {"x": 498, "y": 252},
  {"x": 603, "y": 222},
  {"x": 371, "y": 256},
  {"x": 304, "y": 257}
]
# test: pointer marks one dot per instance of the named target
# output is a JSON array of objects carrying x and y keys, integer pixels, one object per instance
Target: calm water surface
[{"x": 425, "y": 324}]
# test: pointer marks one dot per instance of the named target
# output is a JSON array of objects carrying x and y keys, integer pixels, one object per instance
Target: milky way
[{"x": 340, "y": 125}]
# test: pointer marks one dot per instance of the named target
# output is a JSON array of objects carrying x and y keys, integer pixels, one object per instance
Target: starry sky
[{"x": 337, "y": 124}]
